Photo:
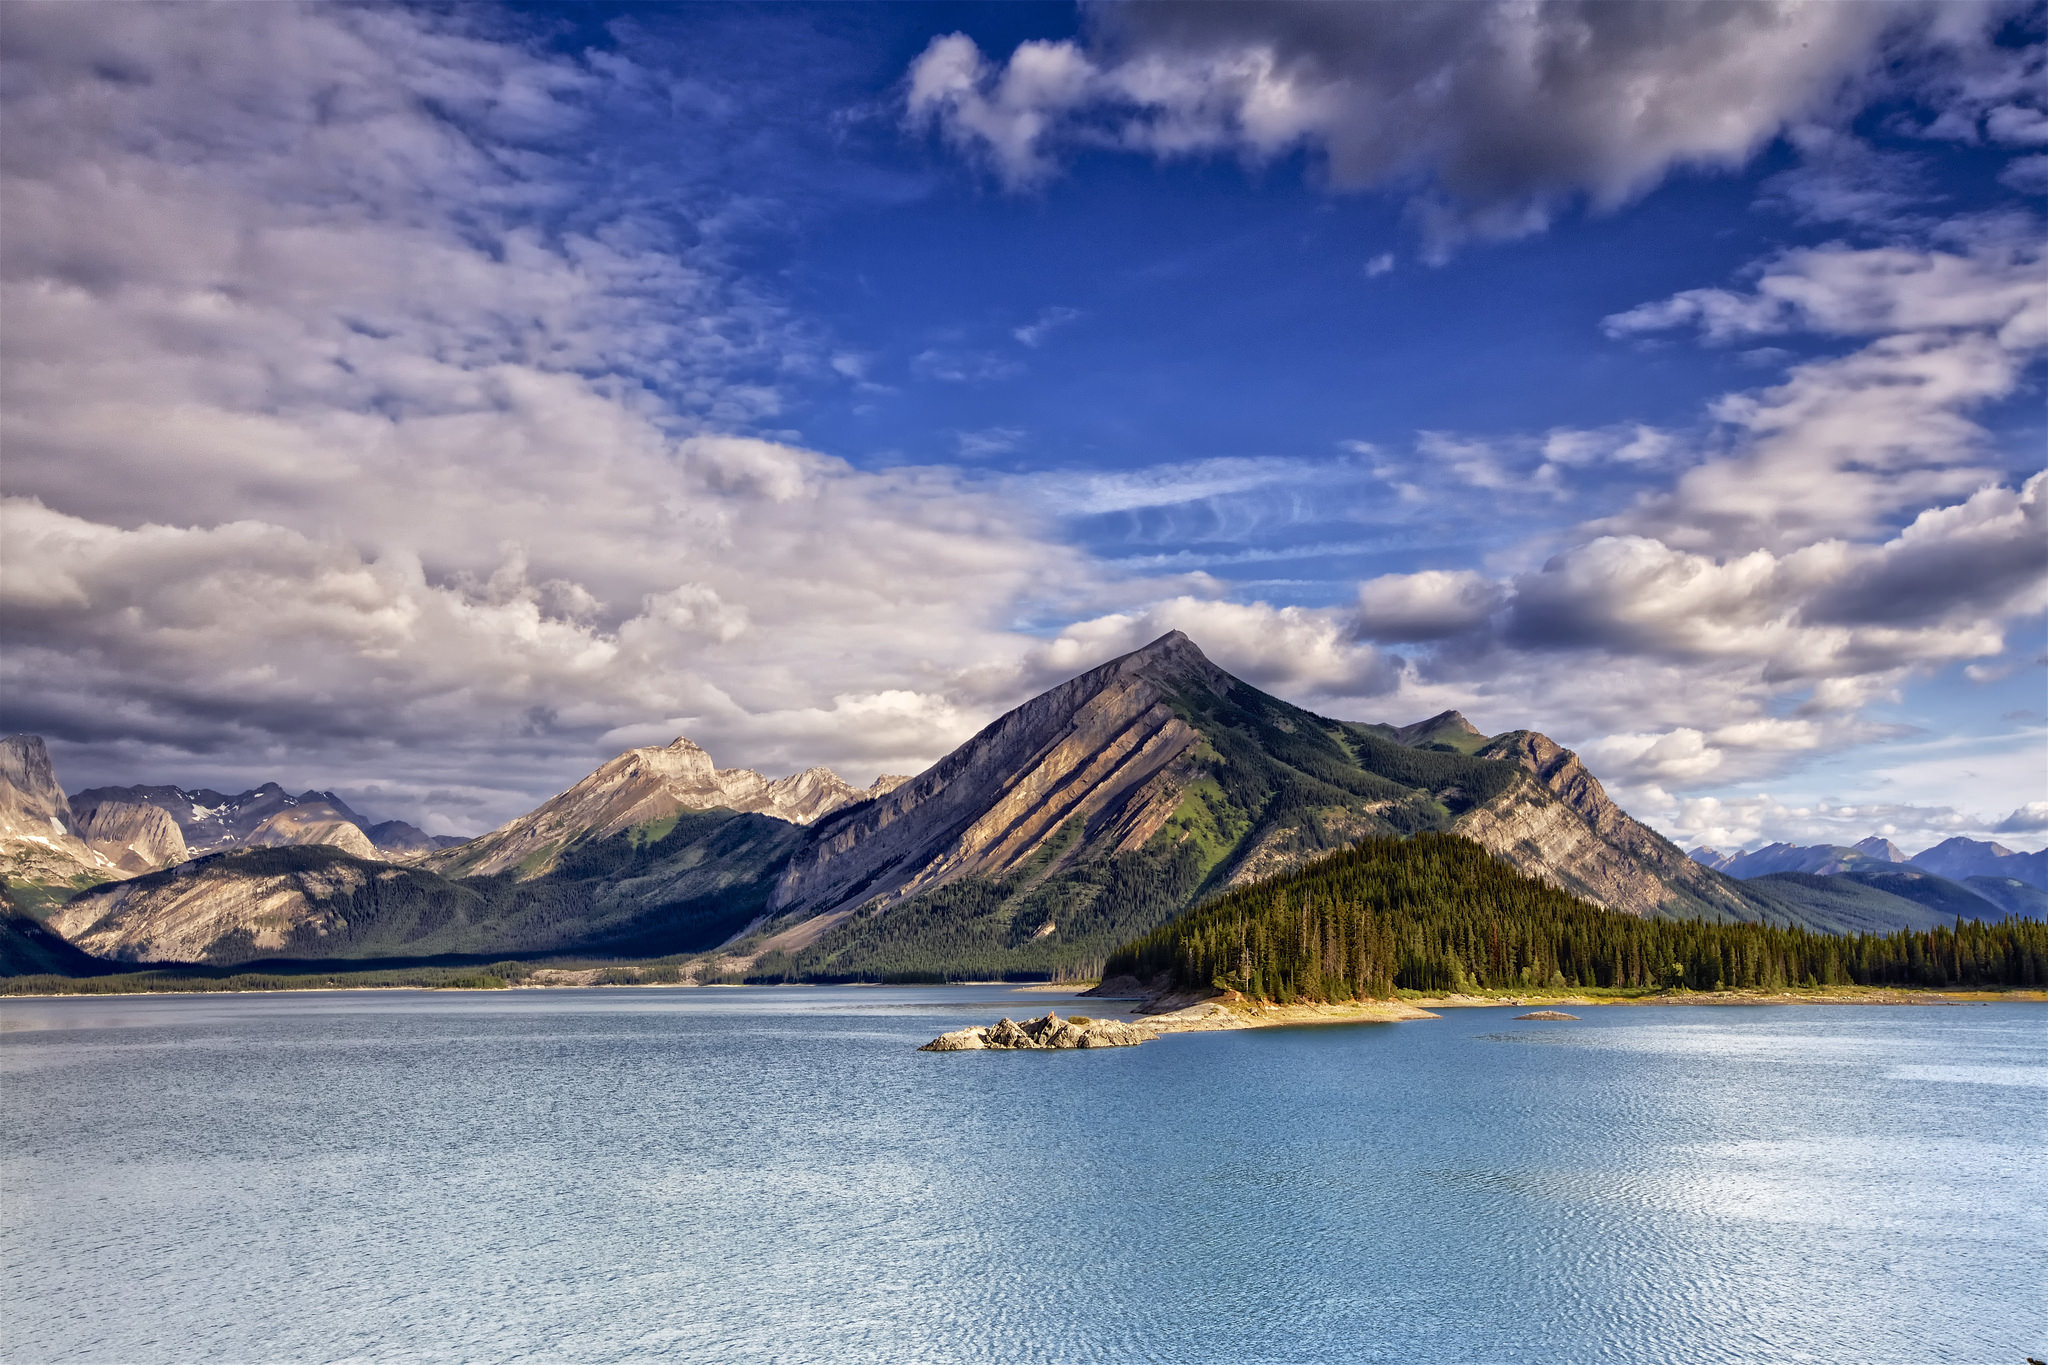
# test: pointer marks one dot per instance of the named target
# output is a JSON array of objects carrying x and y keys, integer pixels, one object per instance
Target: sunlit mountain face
[{"x": 426, "y": 406}]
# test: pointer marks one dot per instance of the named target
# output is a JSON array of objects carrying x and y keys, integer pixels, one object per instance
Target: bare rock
[
  {"x": 959, "y": 1040},
  {"x": 1547, "y": 1014},
  {"x": 1046, "y": 1034}
]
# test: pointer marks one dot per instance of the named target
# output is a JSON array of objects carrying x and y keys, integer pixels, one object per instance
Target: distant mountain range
[
  {"x": 1954, "y": 859},
  {"x": 52, "y": 845},
  {"x": 1081, "y": 819},
  {"x": 1872, "y": 884}
]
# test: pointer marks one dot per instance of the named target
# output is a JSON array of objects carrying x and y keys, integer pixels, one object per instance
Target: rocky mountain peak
[
  {"x": 1880, "y": 848},
  {"x": 30, "y": 786},
  {"x": 39, "y": 841}
]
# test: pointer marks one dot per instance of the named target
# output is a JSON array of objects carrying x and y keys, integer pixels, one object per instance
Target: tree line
[{"x": 1436, "y": 912}]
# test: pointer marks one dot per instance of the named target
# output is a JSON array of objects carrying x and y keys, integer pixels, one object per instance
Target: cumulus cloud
[
  {"x": 1493, "y": 114},
  {"x": 389, "y": 475},
  {"x": 1848, "y": 443},
  {"x": 2031, "y": 818},
  {"x": 1829, "y": 539}
]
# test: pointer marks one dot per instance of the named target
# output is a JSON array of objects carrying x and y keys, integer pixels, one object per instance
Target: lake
[{"x": 754, "y": 1175}]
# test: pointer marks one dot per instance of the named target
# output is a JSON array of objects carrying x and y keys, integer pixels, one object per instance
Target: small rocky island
[
  {"x": 1046, "y": 1033},
  {"x": 1547, "y": 1015}
]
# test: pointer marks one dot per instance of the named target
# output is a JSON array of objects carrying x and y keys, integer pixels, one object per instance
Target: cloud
[
  {"x": 1850, "y": 443},
  {"x": 950, "y": 366},
  {"x": 1493, "y": 114},
  {"x": 2027, "y": 174},
  {"x": 412, "y": 463},
  {"x": 988, "y": 442},
  {"x": 1431, "y": 605},
  {"x": 1730, "y": 823},
  {"x": 1379, "y": 265},
  {"x": 2031, "y": 818},
  {"x": 1048, "y": 321}
]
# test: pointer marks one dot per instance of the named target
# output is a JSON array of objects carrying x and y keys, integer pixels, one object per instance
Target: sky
[{"x": 427, "y": 403}]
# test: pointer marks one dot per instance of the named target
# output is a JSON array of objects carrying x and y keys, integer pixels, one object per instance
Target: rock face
[
  {"x": 1101, "y": 748},
  {"x": 40, "y": 845},
  {"x": 189, "y": 913},
  {"x": 136, "y": 838},
  {"x": 641, "y": 786},
  {"x": 1045, "y": 1034},
  {"x": 1585, "y": 844},
  {"x": 313, "y": 823}
]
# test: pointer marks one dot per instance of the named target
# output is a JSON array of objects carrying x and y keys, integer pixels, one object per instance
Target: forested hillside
[{"x": 1437, "y": 912}]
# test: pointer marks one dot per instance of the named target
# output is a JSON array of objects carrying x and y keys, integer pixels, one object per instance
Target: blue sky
[{"x": 427, "y": 403}]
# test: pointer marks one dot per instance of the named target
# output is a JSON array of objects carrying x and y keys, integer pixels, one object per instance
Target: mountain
[
  {"x": 400, "y": 839},
  {"x": 1447, "y": 730},
  {"x": 1074, "y": 823},
  {"x": 137, "y": 838},
  {"x": 1970, "y": 878},
  {"x": 1958, "y": 859},
  {"x": 642, "y": 787},
  {"x": 265, "y": 817},
  {"x": 681, "y": 885},
  {"x": 1819, "y": 859},
  {"x": 315, "y": 822},
  {"x": 43, "y": 858},
  {"x": 1104, "y": 806},
  {"x": 1840, "y": 904},
  {"x": 1954, "y": 859}
]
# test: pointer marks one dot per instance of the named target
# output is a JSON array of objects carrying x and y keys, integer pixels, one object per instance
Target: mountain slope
[
  {"x": 136, "y": 838},
  {"x": 2010, "y": 895},
  {"x": 1843, "y": 905},
  {"x": 1958, "y": 859},
  {"x": 647, "y": 891},
  {"x": 1607, "y": 857},
  {"x": 639, "y": 787}
]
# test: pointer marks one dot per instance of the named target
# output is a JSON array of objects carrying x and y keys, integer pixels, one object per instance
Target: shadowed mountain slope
[{"x": 680, "y": 885}]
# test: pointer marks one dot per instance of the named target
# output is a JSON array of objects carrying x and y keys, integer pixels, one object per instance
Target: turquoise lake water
[{"x": 775, "y": 1175}]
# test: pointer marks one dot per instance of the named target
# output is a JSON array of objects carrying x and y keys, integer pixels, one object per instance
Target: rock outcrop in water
[{"x": 1042, "y": 1035}]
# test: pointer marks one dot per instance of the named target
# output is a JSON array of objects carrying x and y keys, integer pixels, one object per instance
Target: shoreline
[{"x": 1363, "y": 1011}]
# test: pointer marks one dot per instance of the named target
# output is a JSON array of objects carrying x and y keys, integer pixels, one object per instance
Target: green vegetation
[{"x": 1438, "y": 913}]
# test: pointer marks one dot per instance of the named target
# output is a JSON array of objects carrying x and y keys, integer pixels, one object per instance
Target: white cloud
[
  {"x": 387, "y": 482},
  {"x": 1496, "y": 112},
  {"x": 1049, "y": 320}
]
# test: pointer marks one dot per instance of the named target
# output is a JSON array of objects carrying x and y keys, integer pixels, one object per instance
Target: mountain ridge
[{"x": 1072, "y": 823}]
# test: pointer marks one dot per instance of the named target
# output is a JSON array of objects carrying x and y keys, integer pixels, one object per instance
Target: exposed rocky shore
[
  {"x": 1043, "y": 1034},
  {"x": 1206, "y": 1016}
]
